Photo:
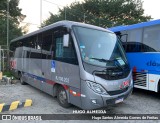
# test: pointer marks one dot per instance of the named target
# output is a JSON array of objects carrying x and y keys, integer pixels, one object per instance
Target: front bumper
[
  {"x": 113, "y": 100},
  {"x": 88, "y": 102}
]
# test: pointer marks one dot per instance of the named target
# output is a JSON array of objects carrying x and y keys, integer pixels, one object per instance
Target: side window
[
  {"x": 36, "y": 46},
  {"x": 32, "y": 41},
  {"x": 19, "y": 43},
  {"x": 35, "y": 55},
  {"x": 69, "y": 52},
  {"x": 47, "y": 45},
  {"x": 26, "y": 42},
  {"x": 145, "y": 48},
  {"x": 59, "y": 47},
  {"x": 39, "y": 42},
  {"x": 138, "y": 47},
  {"x": 133, "y": 47},
  {"x": 65, "y": 54},
  {"x": 151, "y": 38}
]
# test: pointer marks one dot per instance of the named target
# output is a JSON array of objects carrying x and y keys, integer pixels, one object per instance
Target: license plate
[{"x": 119, "y": 100}]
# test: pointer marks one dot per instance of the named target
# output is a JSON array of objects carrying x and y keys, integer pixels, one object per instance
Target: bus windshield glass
[{"x": 99, "y": 48}]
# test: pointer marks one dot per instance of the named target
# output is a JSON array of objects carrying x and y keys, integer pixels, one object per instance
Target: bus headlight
[{"x": 96, "y": 87}]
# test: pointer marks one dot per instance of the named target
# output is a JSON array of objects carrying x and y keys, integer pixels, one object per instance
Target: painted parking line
[{"x": 14, "y": 105}]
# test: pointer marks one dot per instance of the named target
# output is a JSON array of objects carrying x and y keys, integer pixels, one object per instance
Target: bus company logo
[
  {"x": 152, "y": 63},
  {"x": 115, "y": 73},
  {"x": 124, "y": 84}
]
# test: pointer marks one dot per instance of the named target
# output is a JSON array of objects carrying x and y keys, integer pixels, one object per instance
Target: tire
[
  {"x": 62, "y": 97},
  {"x": 21, "y": 80}
]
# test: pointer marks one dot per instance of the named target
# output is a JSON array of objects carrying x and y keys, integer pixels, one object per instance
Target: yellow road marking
[
  {"x": 14, "y": 105},
  {"x": 28, "y": 103},
  {"x": 1, "y": 106}
]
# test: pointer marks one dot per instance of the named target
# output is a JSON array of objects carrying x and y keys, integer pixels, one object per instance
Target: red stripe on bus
[
  {"x": 75, "y": 93},
  {"x": 78, "y": 94},
  {"x": 65, "y": 87},
  {"x": 50, "y": 82},
  {"x": 71, "y": 91}
]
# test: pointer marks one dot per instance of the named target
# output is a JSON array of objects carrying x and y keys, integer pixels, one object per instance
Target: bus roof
[
  {"x": 64, "y": 23},
  {"x": 135, "y": 26}
]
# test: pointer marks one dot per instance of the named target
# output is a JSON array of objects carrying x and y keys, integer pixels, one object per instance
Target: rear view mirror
[{"x": 66, "y": 40}]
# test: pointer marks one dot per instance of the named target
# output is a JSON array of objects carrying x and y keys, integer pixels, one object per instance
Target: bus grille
[
  {"x": 117, "y": 92},
  {"x": 108, "y": 77},
  {"x": 140, "y": 79}
]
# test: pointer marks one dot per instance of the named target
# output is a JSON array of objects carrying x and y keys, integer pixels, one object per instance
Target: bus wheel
[
  {"x": 62, "y": 97},
  {"x": 21, "y": 80}
]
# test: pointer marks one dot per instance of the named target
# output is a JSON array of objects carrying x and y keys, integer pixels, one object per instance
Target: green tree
[
  {"x": 104, "y": 13},
  {"x": 15, "y": 17}
]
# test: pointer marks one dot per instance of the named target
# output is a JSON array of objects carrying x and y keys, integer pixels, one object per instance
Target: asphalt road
[{"x": 140, "y": 102}]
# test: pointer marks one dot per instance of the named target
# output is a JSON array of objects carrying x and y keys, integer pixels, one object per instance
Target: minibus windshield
[{"x": 99, "y": 47}]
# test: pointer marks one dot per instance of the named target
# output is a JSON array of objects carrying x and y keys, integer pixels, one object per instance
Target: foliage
[
  {"x": 15, "y": 17},
  {"x": 8, "y": 74},
  {"x": 104, "y": 13}
]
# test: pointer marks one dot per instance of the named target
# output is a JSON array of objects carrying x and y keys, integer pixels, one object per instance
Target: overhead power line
[
  {"x": 30, "y": 23},
  {"x": 53, "y": 3}
]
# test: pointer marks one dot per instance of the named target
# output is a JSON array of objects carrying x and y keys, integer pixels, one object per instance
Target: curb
[{"x": 14, "y": 105}]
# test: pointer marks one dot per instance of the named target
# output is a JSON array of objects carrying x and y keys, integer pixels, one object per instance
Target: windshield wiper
[{"x": 115, "y": 61}]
